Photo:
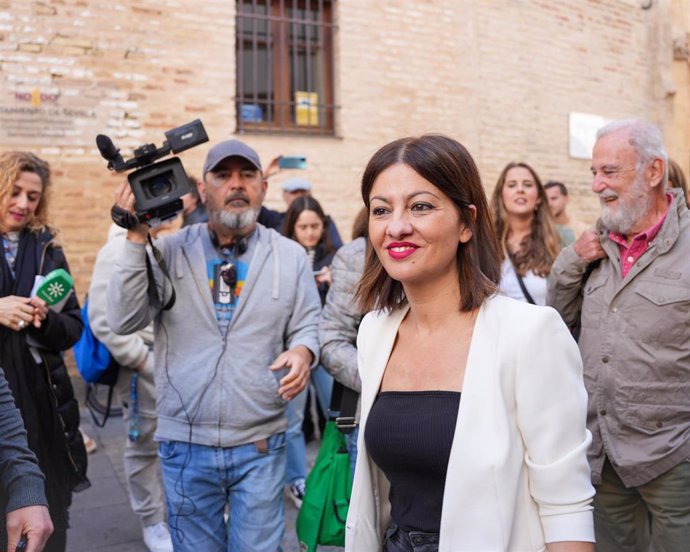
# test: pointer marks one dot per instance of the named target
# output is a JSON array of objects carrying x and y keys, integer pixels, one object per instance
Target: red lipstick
[{"x": 401, "y": 250}]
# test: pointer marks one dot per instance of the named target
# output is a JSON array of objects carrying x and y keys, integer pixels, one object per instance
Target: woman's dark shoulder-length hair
[
  {"x": 449, "y": 166},
  {"x": 307, "y": 203}
]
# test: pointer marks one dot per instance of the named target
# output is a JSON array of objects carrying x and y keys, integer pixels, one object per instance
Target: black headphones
[{"x": 238, "y": 245}]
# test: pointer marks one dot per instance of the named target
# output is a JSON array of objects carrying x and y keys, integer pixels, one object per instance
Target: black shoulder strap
[
  {"x": 94, "y": 406},
  {"x": 344, "y": 402},
  {"x": 526, "y": 293},
  {"x": 153, "y": 294},
  {"x": 523, "y": 287}
]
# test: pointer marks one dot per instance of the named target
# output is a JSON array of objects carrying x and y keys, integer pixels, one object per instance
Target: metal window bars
[{"x": 285, "y": 66}]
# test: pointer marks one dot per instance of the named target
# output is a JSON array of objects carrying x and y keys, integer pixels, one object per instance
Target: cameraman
[{"x": 237, "y": 344}]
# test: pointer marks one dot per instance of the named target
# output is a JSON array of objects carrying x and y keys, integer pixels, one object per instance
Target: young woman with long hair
[
  {"x": 306, "y": 223},
  {"x": 526, "y": 231}
]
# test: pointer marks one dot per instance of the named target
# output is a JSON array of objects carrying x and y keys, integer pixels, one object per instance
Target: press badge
[{"x": 224, "y": 283}]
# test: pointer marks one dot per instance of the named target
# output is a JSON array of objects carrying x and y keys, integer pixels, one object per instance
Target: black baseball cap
[{"x": 230, "y": 148}]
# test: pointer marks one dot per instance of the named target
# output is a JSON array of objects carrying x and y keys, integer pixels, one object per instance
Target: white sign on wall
[
  {"x": 583, "y": 130},
  {"x": 32, "y": 116}
]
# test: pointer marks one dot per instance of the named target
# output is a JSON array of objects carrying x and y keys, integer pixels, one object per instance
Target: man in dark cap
[{"x": 237, "y": 344}]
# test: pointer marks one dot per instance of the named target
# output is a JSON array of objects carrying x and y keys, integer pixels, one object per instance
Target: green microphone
[{"x": 55, "y": 287}]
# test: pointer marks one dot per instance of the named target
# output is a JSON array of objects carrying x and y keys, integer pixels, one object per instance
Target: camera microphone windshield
[
  {"x": 106, "y": 147},
  {"x": 109, "y": 152}
]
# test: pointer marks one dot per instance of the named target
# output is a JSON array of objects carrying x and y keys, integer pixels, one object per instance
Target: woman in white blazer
[{"x": 473, "y": 407}]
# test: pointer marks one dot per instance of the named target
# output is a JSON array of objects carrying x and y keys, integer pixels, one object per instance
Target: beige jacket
[
  {"x": 517, "y": 473},
  {"x": 635, "y": 345},
  {"x": 129, "y": 350}
]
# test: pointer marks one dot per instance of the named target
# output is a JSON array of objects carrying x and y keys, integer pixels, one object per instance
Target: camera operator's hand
[
  {"x": 124, "y": 198},
  {"x": 298, "y": 360},
  {"x": 273, "y": 167}
]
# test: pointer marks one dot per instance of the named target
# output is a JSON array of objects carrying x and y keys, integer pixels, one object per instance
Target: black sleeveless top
[{"x": 409, "y": 435}]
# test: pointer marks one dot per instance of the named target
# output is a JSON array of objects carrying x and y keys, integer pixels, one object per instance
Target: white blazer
[{"x": 518, "y": 475}]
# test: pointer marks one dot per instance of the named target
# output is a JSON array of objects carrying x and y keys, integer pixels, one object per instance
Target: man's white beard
[
  {"x": 236, "y": 221},
  {"x": 631, "y": 208}
]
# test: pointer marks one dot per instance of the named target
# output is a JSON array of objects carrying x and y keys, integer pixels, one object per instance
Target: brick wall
[
  {"x": 500, "y": 76},
  {"x": 678, "y": 126}
]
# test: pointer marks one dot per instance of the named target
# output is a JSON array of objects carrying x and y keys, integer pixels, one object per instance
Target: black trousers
[{"x": 399, "y": 540}]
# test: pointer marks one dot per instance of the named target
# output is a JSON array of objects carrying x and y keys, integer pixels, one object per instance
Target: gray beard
[
  {"x": 236, "y": 221},
  {"x": 631, "y": 208}
]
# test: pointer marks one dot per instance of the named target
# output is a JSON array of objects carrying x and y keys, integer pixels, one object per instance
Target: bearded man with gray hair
[
  {"x": 237, "y": 344},
  {"x": 627, "y": 284}
]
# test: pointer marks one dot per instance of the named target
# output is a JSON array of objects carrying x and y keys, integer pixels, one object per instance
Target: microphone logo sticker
[{"x": 56, "y": 290}]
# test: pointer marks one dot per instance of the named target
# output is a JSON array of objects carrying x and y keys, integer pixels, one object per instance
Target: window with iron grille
[{"x": 284, "y": 53}]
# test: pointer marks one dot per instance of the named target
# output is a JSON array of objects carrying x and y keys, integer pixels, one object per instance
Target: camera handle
[
  {"x": 143, "y": 155},
  {"x": 124, "y": 218}
]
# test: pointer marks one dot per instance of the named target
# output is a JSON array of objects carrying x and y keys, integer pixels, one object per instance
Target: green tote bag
[{"x": 321, "y": 519}]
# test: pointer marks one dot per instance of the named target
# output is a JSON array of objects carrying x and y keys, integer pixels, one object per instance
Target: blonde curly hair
[{"x": 12, "y": 164}]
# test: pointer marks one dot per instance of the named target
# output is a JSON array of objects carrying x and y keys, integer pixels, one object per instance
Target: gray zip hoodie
[{"x": 218, "y": 390}]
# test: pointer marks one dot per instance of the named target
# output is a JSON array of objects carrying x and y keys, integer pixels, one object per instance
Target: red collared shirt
[{"x": 639, "y": 244}]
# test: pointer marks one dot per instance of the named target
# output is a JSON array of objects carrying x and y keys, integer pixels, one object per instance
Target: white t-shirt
[{"x": 510, "y": 287}]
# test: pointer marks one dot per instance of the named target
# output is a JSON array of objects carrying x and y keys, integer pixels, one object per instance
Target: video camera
[{"x": 157, "y": 187}]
